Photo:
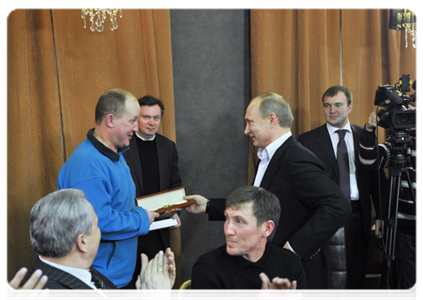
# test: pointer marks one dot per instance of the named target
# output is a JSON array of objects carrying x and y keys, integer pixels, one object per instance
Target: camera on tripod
[
  {"x": 396, "y": 119},
  {"x": 394, "y": 97}
]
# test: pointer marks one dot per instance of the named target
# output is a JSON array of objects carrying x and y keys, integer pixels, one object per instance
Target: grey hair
[
  {"x": 272, "y": 102},
  {"x": 265, "y": 205},
  {"x": 56, "y": 221}
]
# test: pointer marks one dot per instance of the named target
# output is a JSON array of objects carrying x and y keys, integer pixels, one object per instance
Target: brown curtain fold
[
  {"x": 56, "y": 72},
  {"x": 34, "y": 144},
  {"x": 373, "y": 55}
]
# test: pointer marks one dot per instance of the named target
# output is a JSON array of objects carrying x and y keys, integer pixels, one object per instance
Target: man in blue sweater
[{"x": 98, "y": 168}]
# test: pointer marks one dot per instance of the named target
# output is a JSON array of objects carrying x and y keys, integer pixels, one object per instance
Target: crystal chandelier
[
  {"x": 404, "y": 19},
  {"x": 100, "y": 16}
]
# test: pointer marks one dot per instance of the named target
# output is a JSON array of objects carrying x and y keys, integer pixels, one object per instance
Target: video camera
[
  {"x": 397, "y": 120},
  {"x": 396, "y": 116}
]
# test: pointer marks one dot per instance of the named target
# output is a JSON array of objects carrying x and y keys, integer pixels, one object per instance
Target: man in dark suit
[
  {"x": 323, "y": 142},
  {"x": 153, "y": 161},
  {"x": 312, "y": 206},
  {"x": 64, "y": 232}
]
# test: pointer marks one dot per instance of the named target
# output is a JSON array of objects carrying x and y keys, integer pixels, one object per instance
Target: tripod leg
[
  {"x": 410, "y": 185},
  {"x": 389, "y": 249}
]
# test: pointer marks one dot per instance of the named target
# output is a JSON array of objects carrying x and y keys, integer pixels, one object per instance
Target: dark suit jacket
[
  {"x": 312, "y": 206},
  {"x": 319, "y": 142},
  {"x": 168, "y": 164},
  {"x": 168, "y": 169},
  {"x": 58, "y": 279}
]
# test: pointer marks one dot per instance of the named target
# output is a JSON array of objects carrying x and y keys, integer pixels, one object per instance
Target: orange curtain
[
  {"x": 300, "y": 53},
  {"x": 34, "y": 144},
  {"x": 373, "y": 55},
  {"x": 56, "y": 72},
  {"x": 294, "y": 53}
]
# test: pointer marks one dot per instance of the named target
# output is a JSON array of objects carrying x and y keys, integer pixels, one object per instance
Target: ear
[
  {"x": 268, "y": 228},
  {"x": 273, "y": 119},
  {"x": 350, "y": 107},
  {"x": 81, "y": 244},
  {"x": 110, "y": 119}
]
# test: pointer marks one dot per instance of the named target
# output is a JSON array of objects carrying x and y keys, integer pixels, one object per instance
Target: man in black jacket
[
  {"x": 153, "y": 161},
  {"x": 312, "y": 206},
  {"x": 362, "y": 185}
]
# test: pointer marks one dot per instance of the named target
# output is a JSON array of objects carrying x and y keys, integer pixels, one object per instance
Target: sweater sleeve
[{"x": 115, "y": 224}]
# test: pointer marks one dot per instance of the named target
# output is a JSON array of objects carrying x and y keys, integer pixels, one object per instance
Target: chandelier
[
  {"x": 404, "y": 19},
  {"x": 100, "y": 16}
]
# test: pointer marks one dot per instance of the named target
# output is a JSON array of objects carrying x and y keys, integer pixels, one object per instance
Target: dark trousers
[
  {"x": 318, "y": 269},
  {"x": 406, "y": 256},
  {"x": 356, "y": 250}
]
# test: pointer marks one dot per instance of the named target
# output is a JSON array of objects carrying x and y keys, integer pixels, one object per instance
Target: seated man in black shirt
[{"x": 252, "y": 214}]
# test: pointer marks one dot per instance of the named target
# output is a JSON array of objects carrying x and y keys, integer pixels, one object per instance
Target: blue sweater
[{"x": 106, "y": 180}]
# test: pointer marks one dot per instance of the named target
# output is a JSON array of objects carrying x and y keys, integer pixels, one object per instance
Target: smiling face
[
  {"x": 257, "y": 127},
  {"x": 149, "y": 121},
  {"x": 126, "y": 124},
  {"x": 336, "y": 109},
  {"x": 243, "y": 236}
]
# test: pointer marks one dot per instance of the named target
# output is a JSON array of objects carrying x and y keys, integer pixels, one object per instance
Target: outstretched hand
[
  {"x": 277, "y": 283},
  {"x": 199, "y": 207}
]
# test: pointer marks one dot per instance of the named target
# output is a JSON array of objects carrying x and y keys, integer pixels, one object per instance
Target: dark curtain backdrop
[
  {"x": 301, "y": 53},
  {"x": 56, "y": 72}
]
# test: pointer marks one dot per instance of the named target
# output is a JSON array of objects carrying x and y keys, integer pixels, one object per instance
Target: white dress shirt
[{"x": 349, "y": 140}]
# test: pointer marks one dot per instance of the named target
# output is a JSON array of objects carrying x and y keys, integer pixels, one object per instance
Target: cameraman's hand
[
  {"x": 372, "y": 122},
  {"x": 410, "y": 107}
]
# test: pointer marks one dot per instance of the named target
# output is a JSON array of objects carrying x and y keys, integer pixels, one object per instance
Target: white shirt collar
[
  {"x": 145, "y": 140},
  {"x": 82, "y": 274},
  {"x": 268, "y": 152},
  {"x": 333, "y": 129}
]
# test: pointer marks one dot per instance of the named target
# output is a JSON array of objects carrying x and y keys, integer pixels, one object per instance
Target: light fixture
[
  {"x": 404, "y": 19},
  {"x": 101, "y": 15}
]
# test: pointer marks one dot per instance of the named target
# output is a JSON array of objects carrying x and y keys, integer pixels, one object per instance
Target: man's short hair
[
  {"x": 151, "y": 101},
  {"x": 265, "y": 205},
  {"x": 272, "y": 102},
  {"x": 56, "y": 221},
  {"x": 111, "y": 102},
  {"x": 334, "y": 90}
]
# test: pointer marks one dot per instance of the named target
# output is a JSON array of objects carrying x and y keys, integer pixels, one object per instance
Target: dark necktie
[
  {"x": 343, "y": 164},
  {"x": 98, "y": 282}
]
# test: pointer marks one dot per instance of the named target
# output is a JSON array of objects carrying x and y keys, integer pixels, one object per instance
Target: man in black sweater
[{"x": 252, "y": 214}]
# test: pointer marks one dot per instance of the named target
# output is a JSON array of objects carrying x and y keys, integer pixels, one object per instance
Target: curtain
[
  {"x": 56, "y": 72},
  {"x": 301, "y": 53}
]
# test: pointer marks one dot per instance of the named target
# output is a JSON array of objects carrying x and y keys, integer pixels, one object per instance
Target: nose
[
  {"x": 135, "y": 127},
  {"x": 332, "y": 109},
  {"x": 228, "y": 228},
  {"x": 246, "y": 130}
]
